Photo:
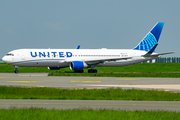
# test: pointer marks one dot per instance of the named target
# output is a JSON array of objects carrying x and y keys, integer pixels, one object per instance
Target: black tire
[
  {"x": 92, "y": 71},
  {"x": 79, "y": 71},
  {"x": 16, "y": 71}
]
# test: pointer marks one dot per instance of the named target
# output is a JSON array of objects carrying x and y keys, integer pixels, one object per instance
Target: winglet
[{"x": 78, "y": 47}]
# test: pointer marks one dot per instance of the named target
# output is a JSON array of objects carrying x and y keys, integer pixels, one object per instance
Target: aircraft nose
[{"x": 4, "y": 59}]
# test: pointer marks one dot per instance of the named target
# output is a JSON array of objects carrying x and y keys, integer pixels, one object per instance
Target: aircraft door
[{"x": 23, "y": 56}]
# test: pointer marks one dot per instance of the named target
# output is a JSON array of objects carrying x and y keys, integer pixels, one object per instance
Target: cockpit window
[{"x": 9, "y": 54}]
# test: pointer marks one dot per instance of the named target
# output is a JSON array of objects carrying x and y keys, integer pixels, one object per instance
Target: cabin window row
[{"x": 85, "y": 55}]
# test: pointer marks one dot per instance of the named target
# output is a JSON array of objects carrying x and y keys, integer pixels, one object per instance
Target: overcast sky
[{"x": 112, "y": 24}]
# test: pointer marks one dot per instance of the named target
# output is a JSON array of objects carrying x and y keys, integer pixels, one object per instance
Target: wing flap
[{"x": 96, "y": 61}]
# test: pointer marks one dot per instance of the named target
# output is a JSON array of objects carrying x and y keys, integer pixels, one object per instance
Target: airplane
[{"x": 79, "y": 59}]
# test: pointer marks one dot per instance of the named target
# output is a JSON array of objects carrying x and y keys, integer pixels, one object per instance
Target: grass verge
[
  {"x": 86, "y": 94},
  {"x": 138, "y": 70},
  {"x": 142, "y": 67},
  {"x": 130, "y": 74},
  {"x": 85, "y": 114}
]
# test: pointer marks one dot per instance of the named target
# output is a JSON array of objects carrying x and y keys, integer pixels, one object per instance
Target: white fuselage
[{"x": 63, "y": 57}]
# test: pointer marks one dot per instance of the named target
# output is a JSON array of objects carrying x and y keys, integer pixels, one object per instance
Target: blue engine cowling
[
  {"x": 53, "y": 68},
  {"x": 78, "y": 65}
]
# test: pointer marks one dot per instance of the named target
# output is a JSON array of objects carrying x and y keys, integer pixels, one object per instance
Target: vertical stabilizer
[{"x": 151, "y": 39}]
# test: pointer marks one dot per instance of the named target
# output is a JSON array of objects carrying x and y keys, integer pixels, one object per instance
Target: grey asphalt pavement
[
  {"x": 94, "y": 104},
  {"x": 42, "y": 80}
]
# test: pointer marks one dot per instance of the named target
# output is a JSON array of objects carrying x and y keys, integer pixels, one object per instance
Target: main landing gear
[
  {"x": 92, "y": 71},
  {"x": 79, "y": 71},
  {"x": 89, "y": 71},
  {"x": 16, "y": 69}
]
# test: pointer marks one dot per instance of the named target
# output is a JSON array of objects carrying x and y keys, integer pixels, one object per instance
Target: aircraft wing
[
  {"x": 96, "y": 61},
  {"x": 78, "y": 47}
]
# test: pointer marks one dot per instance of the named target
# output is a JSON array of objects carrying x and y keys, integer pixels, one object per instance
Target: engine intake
[{"x": 78, "y": 65}]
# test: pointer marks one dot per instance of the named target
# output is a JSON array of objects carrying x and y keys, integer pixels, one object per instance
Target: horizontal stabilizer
[{"x": 156, "y": 55}]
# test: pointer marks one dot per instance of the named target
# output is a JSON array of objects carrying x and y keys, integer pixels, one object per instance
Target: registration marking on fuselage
[{"x": 86, "y": 81}]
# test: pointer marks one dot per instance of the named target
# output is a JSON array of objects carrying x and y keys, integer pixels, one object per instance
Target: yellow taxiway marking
[
  {"x": 85, "y": 81},
  {"x": 127, "y": 79},
  {"x": 166, "y": 90},
  {"x": 1, "y": 77},
  {"x": 24, "y": 81}
]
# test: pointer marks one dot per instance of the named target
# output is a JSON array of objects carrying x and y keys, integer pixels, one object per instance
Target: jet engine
[{"x": 78, "y": 65}]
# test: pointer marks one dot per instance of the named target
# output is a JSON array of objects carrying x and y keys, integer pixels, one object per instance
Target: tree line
[{"x": 166, "y": 60}]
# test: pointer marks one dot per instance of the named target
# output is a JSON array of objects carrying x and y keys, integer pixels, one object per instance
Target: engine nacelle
[
  {"x": 53, "y": 68},
  {"x": 78, "y": 65}
]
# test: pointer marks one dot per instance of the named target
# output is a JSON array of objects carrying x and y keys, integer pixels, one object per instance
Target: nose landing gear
[{"x": 16, "y": 69}]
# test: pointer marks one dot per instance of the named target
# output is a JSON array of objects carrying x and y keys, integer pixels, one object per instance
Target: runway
[
  {"x": 42, "y": 80},
  {"x": 93, "y": 104}
]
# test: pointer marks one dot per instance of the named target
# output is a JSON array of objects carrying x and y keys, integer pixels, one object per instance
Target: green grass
[
  {"x": 84, "y": 114},
  {"x": 86, "y": 94},
  {"x": 93, "y": 94},
  {"x": 131, "y": 74},
  {"x": 5, "y": 68},
  {"x": 138, "y": 70},
  {"x": 142, "y": 67}
]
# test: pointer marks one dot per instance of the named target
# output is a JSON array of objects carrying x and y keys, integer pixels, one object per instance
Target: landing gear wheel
[
  {"x": 92, "y": 71},
  {"x": 95, "y": 71},
  {"x": 89, "y": 71},
  {"x": 79, "y": 71},
  {"x": 16, "y": 71}
]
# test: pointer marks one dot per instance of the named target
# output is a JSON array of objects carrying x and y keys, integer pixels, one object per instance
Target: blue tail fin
[{"x": 151, "y": 39}]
